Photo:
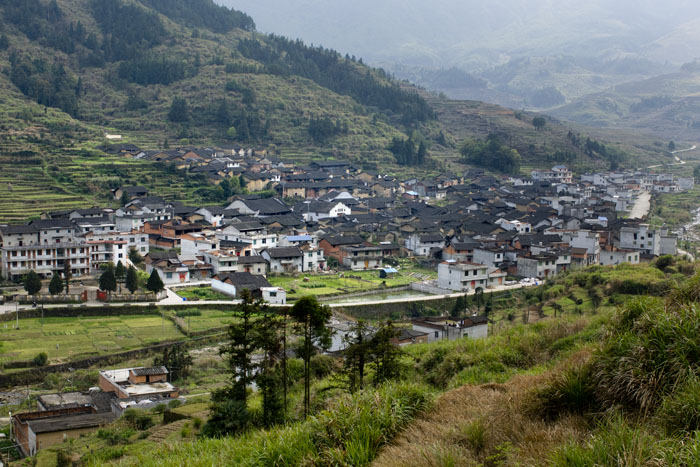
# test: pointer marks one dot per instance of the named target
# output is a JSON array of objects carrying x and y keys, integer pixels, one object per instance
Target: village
[
  {"x": 297, "y": 227},
  {"x": 477, "y": 231}
]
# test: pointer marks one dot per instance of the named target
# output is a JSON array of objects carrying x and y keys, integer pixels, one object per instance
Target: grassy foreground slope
[{"x": 632, "y": 398}]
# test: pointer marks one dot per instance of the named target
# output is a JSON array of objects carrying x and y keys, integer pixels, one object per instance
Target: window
[
  {"x": 273, "y": 294},
  {"x": 169, "y": 275}
]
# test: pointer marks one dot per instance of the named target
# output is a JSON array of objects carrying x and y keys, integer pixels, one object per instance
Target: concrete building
[
  {"x": 462, "y": 277},
  {"x": 34, "y": 431},
  {"x": 441, "y": 328},
  {"x": 129, "y": 382},
  {"x": 360, "y": 258}
]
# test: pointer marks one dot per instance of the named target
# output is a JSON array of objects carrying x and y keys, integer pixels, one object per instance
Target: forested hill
[
  {"x": 119, "y": 65},
  {"x": 168, "y": 72}
]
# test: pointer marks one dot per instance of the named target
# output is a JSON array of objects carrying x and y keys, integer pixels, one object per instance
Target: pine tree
[
  {"x": 358, "y": 354},
  {"x": 56, "y": 284},
  {"x": 124, "y": 200},
  {"x": 32, "y": 283},
  {"x": 67, "y": 275},
  {"x": 119, "y": 272},
  {"x": 311, "y": 318},
  {"x": 386, "y": 355},
  {"x": 132, "y": 280},
  {"x": 155, "y": 283}
]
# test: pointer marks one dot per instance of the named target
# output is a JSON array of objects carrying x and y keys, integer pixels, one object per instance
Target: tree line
[
  {"x": 48, "y": 85},
  {"x": 202, "y": 13},
  {"x": 323, "y": 129},
  {"x": 408, "y": 152},
  {"x": 284, "y": 57}
]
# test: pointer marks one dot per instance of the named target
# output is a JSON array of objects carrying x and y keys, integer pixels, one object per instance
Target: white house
[
  {"x": 463, "y": 277},
  {"x": 440, "y": 328},
  {"x": 422, "y": 244}
]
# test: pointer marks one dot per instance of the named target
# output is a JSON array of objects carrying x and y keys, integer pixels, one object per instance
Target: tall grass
[
  {"x": 619, "y": 442},
  {"x": 349, "y": 432}
]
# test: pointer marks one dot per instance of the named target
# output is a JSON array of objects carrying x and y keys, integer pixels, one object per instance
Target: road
[
  {"x": 173, "y": 299},
  {"x": 641, "y": 206},
  {"x": 678, "y": 159}
]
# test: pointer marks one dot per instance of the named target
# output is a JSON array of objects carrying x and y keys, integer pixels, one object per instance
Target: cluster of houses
[
  {"x": 331, "y": 215},
  {"x": 65, "y": 416}
]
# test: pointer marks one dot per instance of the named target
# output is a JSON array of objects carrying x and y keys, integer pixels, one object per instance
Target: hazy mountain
[{"x": 522, "y": 49}]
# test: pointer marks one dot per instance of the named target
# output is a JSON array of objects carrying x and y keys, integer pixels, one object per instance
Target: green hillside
[{"x": 191, "y": 72}]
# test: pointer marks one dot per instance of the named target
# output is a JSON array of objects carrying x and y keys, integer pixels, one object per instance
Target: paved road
[
  {"x": 678, "y": 159},
  {"x": 174, "y": 300},
  {"x": 641, "y": 206}
]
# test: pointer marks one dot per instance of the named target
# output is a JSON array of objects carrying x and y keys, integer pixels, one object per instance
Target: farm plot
[{"x": 65, "y": 339}]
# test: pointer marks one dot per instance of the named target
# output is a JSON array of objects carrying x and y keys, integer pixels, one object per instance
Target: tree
[
  {"x": 120, "y": 272},
  {"x": 671, "y": 146},
  {"x": 311, "y": 318},
  {"x": 358, "y": 349},
  {"x": 124, "y": 200},
  {"x": 177, "y": 360},
  {"x": 155, "y": 283},
  {"x": 539, "y": 123},
  {"x": 478, "y": 297},
  {"x": 242, "y": 343},
  {"x": 386, "y": 355},
  {"x": 56, "y": 284},
  {"x": 269, "y": 377},
  {"x": 132, "y": 279},
  {"x": 32, "y": 283},
  {"x": 67, "y": 275},
  {"x": 179, "y": 110},
  {"x": 108, "y": 282},
  {"x": 135, "y": 257},
  {"x": 459, "y": 306},
  {"x": 231, "y": 133}
]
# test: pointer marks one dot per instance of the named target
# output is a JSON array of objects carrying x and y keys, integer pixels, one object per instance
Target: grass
[
  {"x": 66, "y": 339},
  {"x": 350, "y": 431}
]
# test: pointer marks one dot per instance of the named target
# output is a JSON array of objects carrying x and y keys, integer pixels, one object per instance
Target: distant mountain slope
[
  {"x": 179, "y": 72},
  {"x": 668, "y": 104}
]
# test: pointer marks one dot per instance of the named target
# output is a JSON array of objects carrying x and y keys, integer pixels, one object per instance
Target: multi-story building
[
  {"x": 360, "y": 258},
  {"x": 467, "y": 277},
  {"x": 44, "y": 246}
]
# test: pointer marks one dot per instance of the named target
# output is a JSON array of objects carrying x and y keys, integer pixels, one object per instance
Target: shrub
[
  {"x": 174, "y": 403},
  {"x": 570, "y": 391},
  {"x": 40, "y": 359},
  {"x": 137, "y": 420},
  {"x": 649, "y": 351},
  {"x": 115, "y": 436},
  {"x": 323, "y": 365}
]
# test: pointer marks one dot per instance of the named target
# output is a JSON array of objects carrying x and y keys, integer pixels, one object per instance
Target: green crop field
[
  {"x": 66, "y": 339},
  {"x": 349, "y": 282},
  {"x": 207, "y": 319}
]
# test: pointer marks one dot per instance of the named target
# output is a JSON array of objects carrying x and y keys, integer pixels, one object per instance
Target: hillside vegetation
[
  {"x": 591, "y": 381},
  {"x": 196, "y": 73}
]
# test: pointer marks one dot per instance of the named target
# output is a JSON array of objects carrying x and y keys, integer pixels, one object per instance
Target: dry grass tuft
[{"x": 482, "y": 425}]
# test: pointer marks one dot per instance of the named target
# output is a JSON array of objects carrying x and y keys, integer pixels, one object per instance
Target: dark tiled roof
[{"x": 284, "y": 252}]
